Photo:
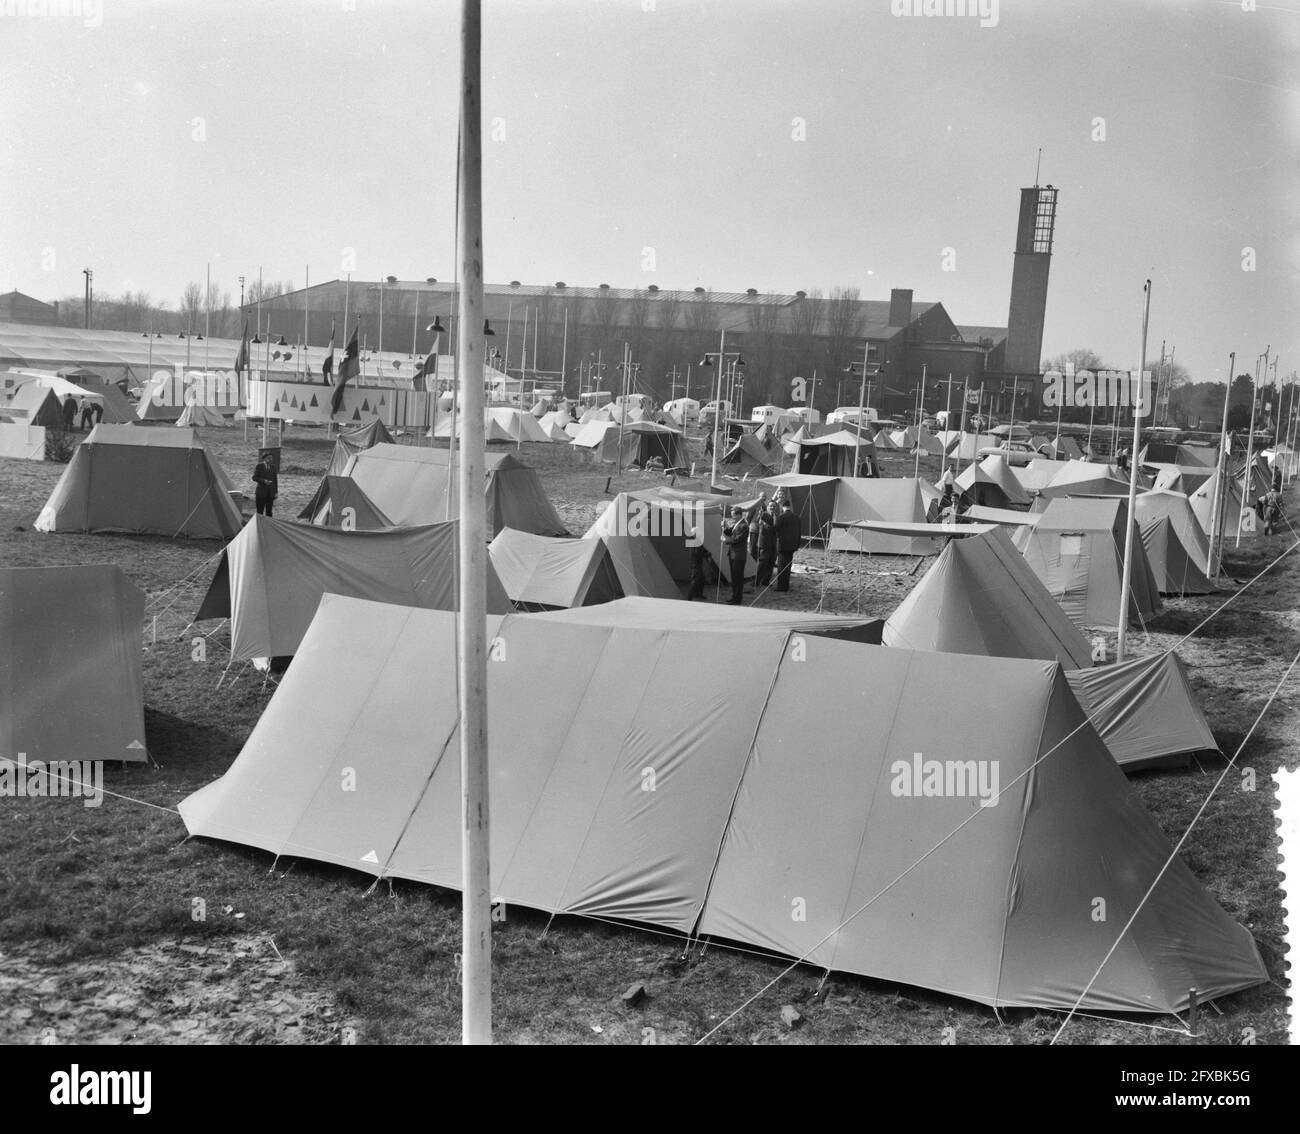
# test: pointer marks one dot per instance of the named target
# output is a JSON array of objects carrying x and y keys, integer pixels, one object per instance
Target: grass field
[{"x": 97, "y": 916}]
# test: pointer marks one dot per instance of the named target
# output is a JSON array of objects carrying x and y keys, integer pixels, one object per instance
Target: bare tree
[
  {"x": 843, "y": 323},
  {"x": 192, "y": 305},
  {"x": 807, "y": 328},
  {"x": 1081, "y": 358},
  {"x": 764, "y": 325}
]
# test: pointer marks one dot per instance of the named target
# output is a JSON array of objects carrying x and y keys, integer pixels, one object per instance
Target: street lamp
[{"x": 721, "y": 354}]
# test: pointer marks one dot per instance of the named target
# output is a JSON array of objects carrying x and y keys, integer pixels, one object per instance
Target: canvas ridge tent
[
  {"x": 71, "y": 680},
  {"x": 902, "y": 499},
  {"x": 669, "y": 517},
  {"x": 836, "y": 454},
  {"x": 272, "y": 575},
  {"x": 125, "y": 479},
  {"x": 346, "y": 445},
  {"x": 901, "y": 884},
  {"x": 981, "y": 597},
  {"x": 1145, "y": 711},
  {"x": 34, "y": 404},
  {"x": 749, "y": 457},
  {"x": 1077, "y": 550},
  {"x": 539, "y": 572},
  {"x": 991, "y": 484},
  {"x": 812, "y": 499},
  {"x": 196, "y": 415},
  {"x": 411, "y": 486}
]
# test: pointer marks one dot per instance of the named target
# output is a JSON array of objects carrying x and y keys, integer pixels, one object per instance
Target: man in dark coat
[
  {"x": 69, "y": 413},
  {"x": 735, "y": 535},
  {"x": 787, "y": 543},
  {"x": 699, "y": 571},
  {"x": 766, "y": 549},
  {"x": 268, "y": 485}
]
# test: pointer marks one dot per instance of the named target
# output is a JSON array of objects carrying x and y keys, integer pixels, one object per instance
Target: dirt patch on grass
[{"x": 232, "y": 990}]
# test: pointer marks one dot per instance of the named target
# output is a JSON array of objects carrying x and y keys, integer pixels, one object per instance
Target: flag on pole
[
  {"x": 241, "y": 359},
  {"x": 350, "y": 368},
  {"x": 327, "y": 367},
  {"x": 429, "y": 367}
]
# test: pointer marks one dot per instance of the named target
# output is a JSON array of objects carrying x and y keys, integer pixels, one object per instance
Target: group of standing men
[
  {"x": 769, "y": 534},
  {"x": 92, "y": 412}
]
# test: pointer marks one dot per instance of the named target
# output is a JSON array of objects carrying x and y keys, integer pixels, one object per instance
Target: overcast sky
[{"x": 749, "y": 143}]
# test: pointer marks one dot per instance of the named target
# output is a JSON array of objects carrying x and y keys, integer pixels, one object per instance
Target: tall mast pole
[
  {"x": 717, "y": 406},
  {"x": 1140, "y": 409},
  {"x": 947, "y": 426},
  {"x": 306, "y": 313},
  {"x": 207, "y": 328},
  {"x": 1248, "y": 480},
  {"x": 476, "y": 947},
  {"x": 862, "y": 401},
  {"x": 1220, "y": 482},
  {"x": 920, "y": 413}
]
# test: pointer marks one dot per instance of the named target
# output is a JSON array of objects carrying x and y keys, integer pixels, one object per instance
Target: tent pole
[
  {"x": 476, "y": 896},
  {"x": 1140, "y": 410}
]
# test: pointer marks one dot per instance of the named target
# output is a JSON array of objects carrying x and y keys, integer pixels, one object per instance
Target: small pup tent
[
  {"x": 1176, "y": 548},
  {"x": 272, "y": 575},
  {"x": 124, "y": 479},
  {"x": 749, "y": 457},
  {"x": 1145, "y": 711},
  {"x": 196, "y": 415},
  {"x": 71, "y": 683},
  {"x": 980, "y": 597},
  {"x": 991, "y": 484},
  {"x": 412, "y": 487},
  {"x": 1077, "y": 550},
  {"x": 973, "y": 890},
  {"x": 353, "y": 441},
  {"x": 538, "y": 572}
]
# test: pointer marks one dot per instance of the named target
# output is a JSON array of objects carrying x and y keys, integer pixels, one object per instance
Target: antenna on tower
[{"x": 1038, "y": 165}]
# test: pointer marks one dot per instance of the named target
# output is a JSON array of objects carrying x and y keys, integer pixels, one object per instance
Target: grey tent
[
  {"x": 544, "y": 573},
  {"x": 812, "y": 499},
  {"x": 981, "y": 597},
  {"x": 34, "y": 404},
  {"x": 953, "y": 849},
  {"x": 126, "y": 479},
  {"x": 342, "y": 504},
  {"x": 1077, "y": 550},
  {"x": 749, "y": 457},
  {"x": 71, "y": 683},
  {"x": 272, "y": 575},
  {"x": 1145, "y": 711},
  {"x": 412, "y": 486},
  {"x": 842, "y": 453}
]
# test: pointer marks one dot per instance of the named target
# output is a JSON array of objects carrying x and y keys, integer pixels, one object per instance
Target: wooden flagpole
[{"x": 476, "y": 912}]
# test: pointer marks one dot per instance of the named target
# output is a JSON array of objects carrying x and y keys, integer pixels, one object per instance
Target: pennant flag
[
  {"x": 241, "y": 359},
  {"x": 350, "y": 368},
  {"x": 327, "y": 367}
]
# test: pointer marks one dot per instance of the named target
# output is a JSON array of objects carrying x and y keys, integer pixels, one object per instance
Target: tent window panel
[{"x": 1071, "y": 544}]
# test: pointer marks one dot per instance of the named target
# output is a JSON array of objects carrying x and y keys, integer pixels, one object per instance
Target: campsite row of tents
[{"x": 755, "y": 731}]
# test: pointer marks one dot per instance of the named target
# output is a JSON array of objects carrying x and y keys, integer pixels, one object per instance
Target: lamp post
[
  {"x": 708, "y": 360},
  {"x": 90, "y": 277}
]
